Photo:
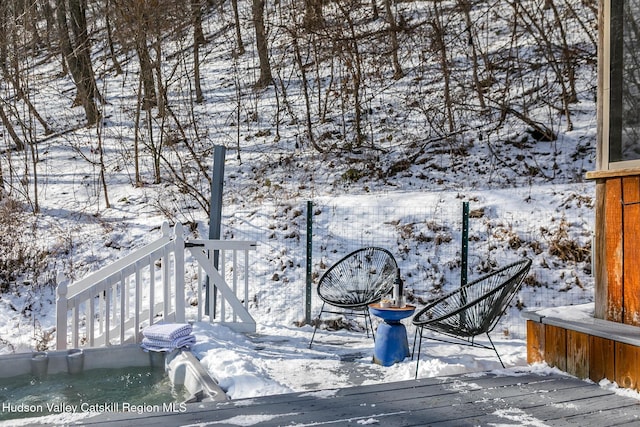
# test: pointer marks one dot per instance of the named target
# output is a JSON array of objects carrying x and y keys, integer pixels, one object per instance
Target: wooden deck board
[{"x": 455, "y": 400}]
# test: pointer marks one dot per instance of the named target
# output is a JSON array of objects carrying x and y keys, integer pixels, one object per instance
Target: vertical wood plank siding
[
  {"x": 613, "y": 248},
  {"x": 584, "y": 355},
  {"x": 535, "y": 342},
  {"x": 618, "y": 249},
  {"x": 601, "y": 358},
  {"x": 578, "y": 354}
]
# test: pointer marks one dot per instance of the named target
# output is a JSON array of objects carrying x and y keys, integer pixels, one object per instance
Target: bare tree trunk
[
  {"x": 196, "y": 17},
  {"x": 4, "y": 39},
  {"x": 50, "y": 21},
  {"x": 78, "y": 19},
  {"x": 305, "y": 87},
  {"x": 34, "y": 164},
  {"x": 198, "y": 39},
  {"x": 265, "y": 78},
  {"x": 11, "y": 67},
  {"x": 25, "y": 98},
  {"x": 162, "y": 94},
  {"x": 112, "y": 53},
  {"x": 313, "y": 18},
  {"x": 149, "y": 99},
  {"x": 10, "y": 129},
  {"x": 103, "y": 177},
  {"x": 29, "y": 20},
  {"x": 77, "y": 55},
  {"x": 155, "y": 149},
  {"x": 236, "y": 17},
  {"x": 465, "y": 5},
  {"x": 136, "y": 135},
  {"x": 353, "y": 63},
  {"x": 444, "y": 64},
  {"x": 567, "y": 55},
  {"x": 393, "y": 32},
  {"x": 196, "y": 74},
  {"x": 2, "y": 190}
]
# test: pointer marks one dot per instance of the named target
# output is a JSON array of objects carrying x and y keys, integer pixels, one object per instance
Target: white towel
[
  {"x": 167, "y": 331},
  {"x": 150, "y": 344}
]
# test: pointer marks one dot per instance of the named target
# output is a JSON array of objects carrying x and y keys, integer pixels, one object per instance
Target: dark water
[{"x": 99, "y": 390}]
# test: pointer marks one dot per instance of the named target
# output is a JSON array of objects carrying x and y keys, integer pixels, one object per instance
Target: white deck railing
[{"x": 114, "y": 304}]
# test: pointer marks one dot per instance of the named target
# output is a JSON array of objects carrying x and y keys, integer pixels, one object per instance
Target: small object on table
[
  {"x": 385, "y": 303},
  {"x": 391, "y": 344}
]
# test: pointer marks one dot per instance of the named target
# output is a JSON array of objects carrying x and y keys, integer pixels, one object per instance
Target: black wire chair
[
  {"x": 361, "y": 278},
  {"x": 471, "y": 310}
]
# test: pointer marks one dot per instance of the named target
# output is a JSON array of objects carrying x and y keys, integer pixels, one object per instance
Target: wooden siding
[
  {"x": 617, "y": 249},
  {"x": 601, "y": 357},
  {"x": 583, "y": 355},
  {"x": 555, "y": 344},
  {"x": 613, "y": 248},
  {"x": 578, "y": 354},
  {"x": 535, "y": 342},
  {"x": 626, "y": 365}
]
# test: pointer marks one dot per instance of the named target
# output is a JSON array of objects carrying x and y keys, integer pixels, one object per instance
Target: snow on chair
[
  {"x": 471, "y": 310},
  {"x": 361, "y": 278}
]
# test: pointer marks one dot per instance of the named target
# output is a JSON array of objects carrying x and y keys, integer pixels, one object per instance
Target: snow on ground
[
  {"x": 271, "y": 182},
  {"x": 278, "y": 359}
]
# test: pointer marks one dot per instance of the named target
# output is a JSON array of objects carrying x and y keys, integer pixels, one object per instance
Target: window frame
[{"x": 607, "y": 109}]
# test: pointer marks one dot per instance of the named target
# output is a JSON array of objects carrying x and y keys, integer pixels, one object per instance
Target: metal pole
[
  {"x": 309, "y": 262},
  {"x": 465, "y": 244},
  {"x": 464, "y": 259},
  {"x": 215, "y": 214}
]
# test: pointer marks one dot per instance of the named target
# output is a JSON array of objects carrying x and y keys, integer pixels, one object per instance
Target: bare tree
[
  {"x": 313, "y": 18},
  {"x": 265, "y": 78},
  {"x": 236, "y": 18},
  {"x": 393, "y": 33},
  {"x": 349, "y": 50},
  {"x": 440, "y": 44},
  {"x": 133, "y": 23},
  {"x": 75, "y": 46},
  {"x": 198, "y": 39},
  {"x": 465, "y": 6},
  {"x": 10, "y": 129},
  {"x": 112, "y": 51},
  {"x": 534, "y": 19},
  {"x": 5, "y": 19}
]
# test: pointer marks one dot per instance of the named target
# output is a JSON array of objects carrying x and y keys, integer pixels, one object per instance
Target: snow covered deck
[{"x": 474, "y": 399}]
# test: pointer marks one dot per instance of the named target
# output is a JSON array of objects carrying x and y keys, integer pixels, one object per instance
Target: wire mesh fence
[{"x": 427, "y": 243}]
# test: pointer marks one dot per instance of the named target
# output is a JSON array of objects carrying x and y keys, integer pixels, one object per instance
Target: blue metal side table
[{"x": 391, "y": 345}]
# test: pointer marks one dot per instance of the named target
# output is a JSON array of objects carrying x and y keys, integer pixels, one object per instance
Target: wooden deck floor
[{"x": 478, "y": 400}]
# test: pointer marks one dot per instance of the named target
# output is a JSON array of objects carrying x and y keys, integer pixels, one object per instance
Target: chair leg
[
  {"x": 370, "y": 324},
  {"x": 316, "y": 327},
  {"x": 419, "y": 348},
  {"x": 415, "y": 338},
  {"x": 494, "y": 349}
]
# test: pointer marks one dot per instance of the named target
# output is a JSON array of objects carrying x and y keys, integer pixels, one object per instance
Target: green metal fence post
[
  {"x": 465, "y": 244},
  {"x": 309, "y": 262}
]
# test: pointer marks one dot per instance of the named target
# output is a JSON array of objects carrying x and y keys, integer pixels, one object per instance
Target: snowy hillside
[{"x": 397, "y": 180}]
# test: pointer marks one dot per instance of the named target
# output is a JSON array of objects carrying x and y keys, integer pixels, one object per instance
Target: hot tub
[{"x": 97, "y": 380}]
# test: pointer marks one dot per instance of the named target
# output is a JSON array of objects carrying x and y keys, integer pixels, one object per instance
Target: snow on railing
[{"x": 114, "y": 304}]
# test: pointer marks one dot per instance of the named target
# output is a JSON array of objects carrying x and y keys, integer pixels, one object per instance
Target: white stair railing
[
  {"x": 237, "y": 317},
  {"x": 114, "y": 304}
]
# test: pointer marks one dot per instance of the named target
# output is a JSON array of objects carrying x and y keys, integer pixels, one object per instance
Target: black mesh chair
[
  {"x": 361, "y": 278},
  {"x": 471, "y": 310}
]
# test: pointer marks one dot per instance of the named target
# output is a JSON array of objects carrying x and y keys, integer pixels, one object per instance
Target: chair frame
[
  {"x": 360, "y": 306},
  {"x": 507, "y": 287}
]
